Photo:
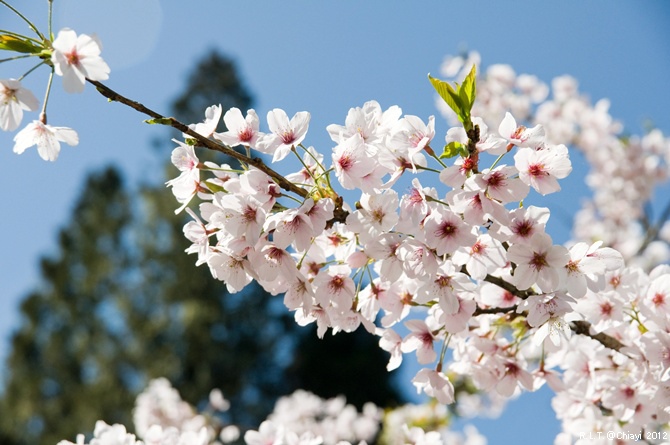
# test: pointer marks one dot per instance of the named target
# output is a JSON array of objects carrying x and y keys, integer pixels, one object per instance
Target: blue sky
[{"x": 323, "y": 57}]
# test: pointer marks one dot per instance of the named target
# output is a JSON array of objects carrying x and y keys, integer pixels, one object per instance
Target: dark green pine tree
[
  {"x": 122, "y": 303},
  {"x": 66, "y": 357}
]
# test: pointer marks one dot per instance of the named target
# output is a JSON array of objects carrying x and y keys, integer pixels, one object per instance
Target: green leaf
[
  {"x": 12, "y": 43},
  {"x": 449, "y": 95},
  {"x": 454, "y": 149},
  {"x": 467, "y": 90},
  {"x": 159, "y": 121},
  {"x": 214, "y": 188}
]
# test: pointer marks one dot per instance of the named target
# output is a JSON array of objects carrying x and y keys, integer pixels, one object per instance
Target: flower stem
[
  {"x": 9, "y": 59},
  {"x": 30, "y": 24},
  {"x": 418, "y": 167},
  {"x": 51, "y": 7},
  {"x": 437, "y": 158},
  {"x": 43, "y": 114},
  {"x": 496, "y": 161},
  {"x": 33, "y": 69}
]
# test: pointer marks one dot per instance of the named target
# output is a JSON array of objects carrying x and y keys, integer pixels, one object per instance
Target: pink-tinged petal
[
  {"x": 73, "y": 80},
  {"x": 10, "y": 117},
  {"x": 66, "y": 40},
  {"x": 281, "y": 152},
  {"x": 234, "y": 119},
  {"x": 48, "y": 148},
  {"x": 576, "y": 285},
  {"x": 27, "y": 99},
  {"x": 24, "y": 139},
  {"x": 96, "y": 69},
  {"x": 67, "y": 135},
  {"x": 300, "y": 123},
  {"x": 506, "y": 386},
  {"x": 87, "y": 47},
  {"x": 277, "y": 120},
  {"x": 507, "y": 126},
  {"x": 611, "y": 257},
  {"x": 45, "y": 137}
]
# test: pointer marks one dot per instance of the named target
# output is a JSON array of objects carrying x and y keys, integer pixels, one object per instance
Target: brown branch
[
  {"x": 202, "y": 141},
  {"x": 494, "y": 310},
  {"x": 580, "y": 327},
  {"x": 509, "y": 287},
  {"x": 584, "y": 328}
]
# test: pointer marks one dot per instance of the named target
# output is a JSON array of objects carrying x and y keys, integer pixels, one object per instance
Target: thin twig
[
  {"x": 202, "y": 141},
  {"x": 653, "y": 231}
]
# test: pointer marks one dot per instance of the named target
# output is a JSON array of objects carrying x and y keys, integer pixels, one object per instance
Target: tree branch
[
  {"x": 202, "y": 141},
  {"x": 509, "y": 287},
  {"x": 584, "y": 328},
  {"x": 580, "y": 327}
]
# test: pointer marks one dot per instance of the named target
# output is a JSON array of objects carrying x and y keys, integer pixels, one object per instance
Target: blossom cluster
[
  {"x": 501, "y": 301},
  {"x": 624, "y": 170},
  {"x": 73, "y": 57},
  {"x": 453, "y": 269},
  {"x": 161, "y": 417}
]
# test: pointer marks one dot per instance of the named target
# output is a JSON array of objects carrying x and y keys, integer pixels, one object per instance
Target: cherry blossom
[
  {"x": 337, "y": 289},
  {"x": 538, "y": 262},
  {"x": 435, "y": 384},
  {"x": 76, "y": 58},
  {"x": 13, "y": 100},
  {"x": 507, "y": 309},
  {"x": 376, "y": 216},
  {"x": 208, "y": 126},
  {"x": 501, "y": 184},
  {"x": 351, "y": 162},
  {"x": 541, "y": 168},
  {"x": 520, "y": 135},
  {"x": 420, "y": 339},
  {"x": 46, "y": 137},
  {"x": 587, "y": 263},
  {"x": 445, "y": 231},
  {"x": 484, "y": 256},
  {"x": 285, "y": 134},
  {"x": 185, "y": 186},
  {"x": 390, "y": 341},
  {"x": 241, "y": 130},
  {"x": 412, "y": 135}
]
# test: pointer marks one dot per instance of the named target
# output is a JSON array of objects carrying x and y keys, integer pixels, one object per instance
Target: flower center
[
  {"x": 537, "y": 170},
  {"x": 606, "y": 309},
  {"x": 287, "y": 137},
  {"x": 497, "y": 179},
  {"x": 336, "y": 283},
  {"x": 539, "y": 260},
  {"x": 72, "y": 58},
  {"x": 345, "y": 162},
  {"x": 478, "y": 248},
  {"x": 446, "y": 230},
  {"x": 443, "y": 281},
  {"x": 245, "y": 135}
]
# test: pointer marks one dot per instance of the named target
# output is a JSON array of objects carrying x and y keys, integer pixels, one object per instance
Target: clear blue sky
[{"x": 323, "y": 57}]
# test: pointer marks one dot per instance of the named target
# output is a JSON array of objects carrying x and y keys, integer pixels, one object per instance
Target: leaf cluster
[{"x": 460, "y": 98}]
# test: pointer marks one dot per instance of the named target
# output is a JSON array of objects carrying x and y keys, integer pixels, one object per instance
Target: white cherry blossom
[
  {"x": 46, "y": 137},
  {"x": 285, "y": 134},
  {"x": 76, "y": 58},
  {"x": 14, "y": 99}
]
